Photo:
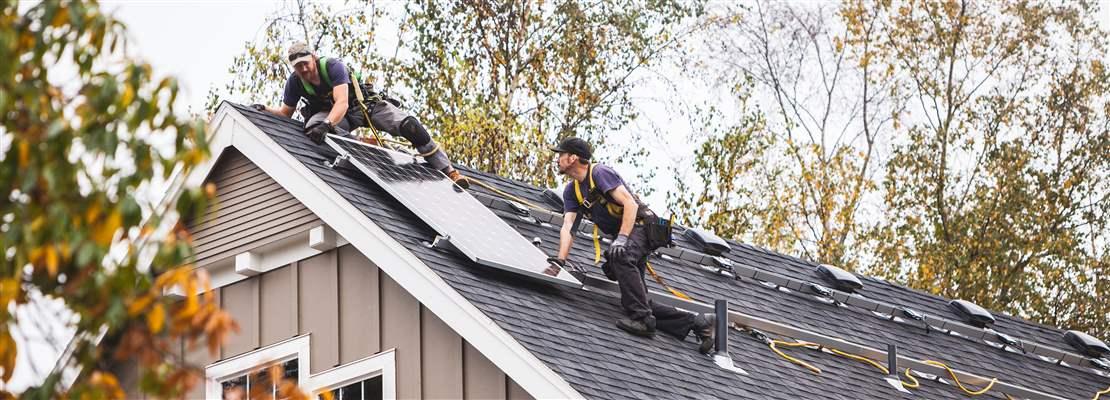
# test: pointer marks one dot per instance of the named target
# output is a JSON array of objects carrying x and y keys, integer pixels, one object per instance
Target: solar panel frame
[{"x": 448, "y": 210}]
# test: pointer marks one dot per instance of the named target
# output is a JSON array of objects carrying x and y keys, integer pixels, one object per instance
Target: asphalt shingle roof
[{"x": 573, "y": 332}]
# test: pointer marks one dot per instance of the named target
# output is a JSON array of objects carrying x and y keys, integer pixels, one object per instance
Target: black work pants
[{"x": 629, "y": 271}]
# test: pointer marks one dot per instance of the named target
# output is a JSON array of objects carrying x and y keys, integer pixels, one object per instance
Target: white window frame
[{"x": 383, "y": 364}]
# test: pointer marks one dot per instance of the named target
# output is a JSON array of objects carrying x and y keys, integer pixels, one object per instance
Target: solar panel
[{"x": 469, "y": 226}]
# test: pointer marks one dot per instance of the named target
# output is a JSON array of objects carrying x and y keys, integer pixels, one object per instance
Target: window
[
  {"x": 259, "y": 381},
  {"x": 368, "y": 389},
  {"x": 373, "y": 377}
]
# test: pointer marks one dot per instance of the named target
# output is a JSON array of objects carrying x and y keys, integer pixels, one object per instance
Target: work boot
[
  {"x": 459, "y": 179},
  {"x": 638, "y": 327},
  {"x": 704, "y": 327}
]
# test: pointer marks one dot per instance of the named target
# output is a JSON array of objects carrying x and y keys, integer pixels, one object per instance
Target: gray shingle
[{"x": 573, "y": 332}]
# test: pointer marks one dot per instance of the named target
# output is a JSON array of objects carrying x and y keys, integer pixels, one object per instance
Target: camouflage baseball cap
[{"x": 298, "y": 52}]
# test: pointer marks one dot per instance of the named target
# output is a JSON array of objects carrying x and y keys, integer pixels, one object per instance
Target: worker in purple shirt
[
  {"x": 604, "y": 198},
  {"x": 328, "y": 90}
]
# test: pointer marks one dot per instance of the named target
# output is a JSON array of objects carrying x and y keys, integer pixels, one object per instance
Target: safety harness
[
  {"x": 594, "y": 196},
  {"x": 356, "y": 83}
]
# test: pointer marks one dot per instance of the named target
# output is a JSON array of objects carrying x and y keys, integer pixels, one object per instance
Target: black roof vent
[
  {"x": 708, "y": 242},
  {"x": 972, "y": 313},
  {"x": 1086, "y": 344},
  {"x": 840, "y": 279},
  {"x": 553, "y": 199}
]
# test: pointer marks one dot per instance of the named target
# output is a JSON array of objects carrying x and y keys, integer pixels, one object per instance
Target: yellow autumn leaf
[
  {"x": 9, "y": 291},
  {"x": 51, "y": 261},
  {"x": 156, "y": 319},
  {"x": 8, "y": 352},
  {"x": 103, "y": 232},
  {"x": 24, "y": 153},
  {"x": 139, "y": 304}
]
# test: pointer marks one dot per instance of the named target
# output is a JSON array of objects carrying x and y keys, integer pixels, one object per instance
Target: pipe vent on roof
[
  {"x": 553, "y": 198},
  {"x": 1086, "y": 344},
  {"x": 707, "y": 242},
  {"x": 840, "y": 279},
  {"x": 972, "y": 313}
]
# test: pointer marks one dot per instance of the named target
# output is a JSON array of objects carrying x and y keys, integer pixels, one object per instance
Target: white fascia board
[{"x": 405, "y": 268}]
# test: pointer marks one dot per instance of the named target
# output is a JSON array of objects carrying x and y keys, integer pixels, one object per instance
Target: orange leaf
[
  {"x": 9, "y": 291},
  {"x": 52, "y": 261},
  {"x": 8, "y": 353},
  {"x": 156, "y": 319},
  {"x": 24, "y": 153},
  {"x": 139, "y": 304},
  {"x": 103, "y": 232}
]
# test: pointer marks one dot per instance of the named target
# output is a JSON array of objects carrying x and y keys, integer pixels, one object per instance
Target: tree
[
  {"x": 503, "y": 80},
  {"x": 828, "y": 106},
  {"x": 79, "y": 122},
  {"x": 349, "y": 32},
  {"x": 495, "y": 82},
  {"x": 997, "y": 191}
]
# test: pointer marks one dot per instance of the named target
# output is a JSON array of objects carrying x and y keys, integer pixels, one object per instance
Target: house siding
[
  {"x": 251, "y": 209},
  {"x": 353, "y": 310}
]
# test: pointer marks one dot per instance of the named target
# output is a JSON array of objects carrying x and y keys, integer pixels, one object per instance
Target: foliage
[
  {"x": 80, "y": 120},
  {"x": 988, "y": 122},
  {"x": 259, "y": 74},
  {"x": 827, "y": 106},
  {"x": 998, "y": 191},
  {"x": 504, "y": 79},
  {"x": 496, "y": 82}
]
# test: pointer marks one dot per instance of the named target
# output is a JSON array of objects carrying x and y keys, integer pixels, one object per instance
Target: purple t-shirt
[
  {"x": 605, "y": 180},
  {"x": 294, "y": 90}
]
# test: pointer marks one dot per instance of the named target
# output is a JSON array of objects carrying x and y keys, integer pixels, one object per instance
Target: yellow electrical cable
[
  {"x": 957, "y": 379},
  {"x": 915, "y": 383},
  {"x": 1099, "y": 394},
  {"x": 504, "y": 194},
  {"x": 774, "y": 347},
  {"x": 860, "y": 358}
]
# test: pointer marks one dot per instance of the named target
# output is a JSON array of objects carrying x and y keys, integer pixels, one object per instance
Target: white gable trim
[{"x": 535, "y": 377}]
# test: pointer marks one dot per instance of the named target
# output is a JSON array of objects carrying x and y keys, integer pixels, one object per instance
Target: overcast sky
[{"x": 196, "y": 42}]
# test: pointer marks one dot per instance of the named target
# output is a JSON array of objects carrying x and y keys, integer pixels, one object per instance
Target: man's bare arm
[
  {"x": 628, "y": 218},
  {"x": 566, "y": 237},
  {"x": 284, "y": 111},
  {"x": 339, "y": 93}
]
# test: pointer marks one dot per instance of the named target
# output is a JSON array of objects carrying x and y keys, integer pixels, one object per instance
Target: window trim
[
  {"x": 383, "y": 364},
  {"x": 297, "y": 347}
]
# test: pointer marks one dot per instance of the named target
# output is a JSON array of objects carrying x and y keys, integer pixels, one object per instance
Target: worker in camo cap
[
  {"x": 601, "y": 195},
  {"x": 328, "y": 89}
]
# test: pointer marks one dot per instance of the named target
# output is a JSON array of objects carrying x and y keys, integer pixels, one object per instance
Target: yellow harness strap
[
  {"x": 659, "y": 279},
  {"x": 597, "y": 247},
  {"x": 365, "y": 113}
]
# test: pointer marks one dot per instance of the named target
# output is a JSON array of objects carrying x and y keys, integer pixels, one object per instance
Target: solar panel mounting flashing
[{"x": 459, "y": 218}]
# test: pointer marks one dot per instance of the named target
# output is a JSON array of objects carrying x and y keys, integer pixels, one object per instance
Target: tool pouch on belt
[{"x": 658, "y": 230}]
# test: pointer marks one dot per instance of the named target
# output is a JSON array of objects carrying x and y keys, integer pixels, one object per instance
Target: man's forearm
[
  {"x": 337, "y": 113},
  {"x": 566, "y": 239},
  {"x": 628, "y": 219}
]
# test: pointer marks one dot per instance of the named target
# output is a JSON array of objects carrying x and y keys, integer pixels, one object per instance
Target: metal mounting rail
[{"x": 803, "y": 288}]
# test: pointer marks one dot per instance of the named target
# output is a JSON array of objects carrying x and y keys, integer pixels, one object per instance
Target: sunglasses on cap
[{"x": 295, "y": 56}]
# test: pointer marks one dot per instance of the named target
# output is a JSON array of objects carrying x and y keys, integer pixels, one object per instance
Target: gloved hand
[
  {"x": 617, "y": 250},
  {"x": 258, "y": 107},
  {"x": 555, "y": 260},
  {"x": 319, "y": 131}
]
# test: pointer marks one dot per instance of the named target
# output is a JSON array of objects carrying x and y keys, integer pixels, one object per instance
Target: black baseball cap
[{"x": 574, "y": 146}]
